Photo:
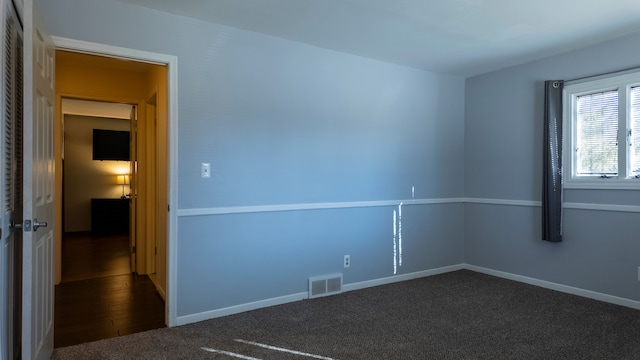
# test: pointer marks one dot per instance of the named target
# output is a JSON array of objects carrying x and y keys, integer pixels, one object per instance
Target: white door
[
  {"x": 38, "y": 190},
  {"x": 11, "y": 180}
]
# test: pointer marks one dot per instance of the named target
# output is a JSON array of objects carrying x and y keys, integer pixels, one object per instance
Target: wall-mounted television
[{"x": 111, "y": 145}]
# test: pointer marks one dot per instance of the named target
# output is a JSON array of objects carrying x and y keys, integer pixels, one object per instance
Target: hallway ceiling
[
  {"x": 96, "y": 109},
  {"x": 462, "y": 37}
]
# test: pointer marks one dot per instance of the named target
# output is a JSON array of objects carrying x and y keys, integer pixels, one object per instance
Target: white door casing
[{"x": 38, "y": 192}]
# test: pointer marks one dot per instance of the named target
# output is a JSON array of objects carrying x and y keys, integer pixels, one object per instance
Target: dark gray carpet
[{"x": 458, "y": 315}]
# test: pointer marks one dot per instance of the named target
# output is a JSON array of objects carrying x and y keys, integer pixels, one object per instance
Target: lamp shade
[{"x": 122, "y": 179}]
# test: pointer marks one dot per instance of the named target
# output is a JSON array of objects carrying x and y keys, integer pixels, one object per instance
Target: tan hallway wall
[{"x": 158, "y": 159}]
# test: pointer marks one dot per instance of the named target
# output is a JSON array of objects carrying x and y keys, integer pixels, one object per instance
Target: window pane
[
  {"x": 634, "y": 150},
  {"x": 597, "y": 134}
]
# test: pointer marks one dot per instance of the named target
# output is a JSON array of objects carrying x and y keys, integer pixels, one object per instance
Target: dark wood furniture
[{"x": 109, "y": 216}]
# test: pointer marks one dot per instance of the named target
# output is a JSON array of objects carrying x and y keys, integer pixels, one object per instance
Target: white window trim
[{"x": 572, "y": 90}]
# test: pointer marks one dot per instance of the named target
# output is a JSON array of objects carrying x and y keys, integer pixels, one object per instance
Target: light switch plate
[{"x": 205, "y": 170}]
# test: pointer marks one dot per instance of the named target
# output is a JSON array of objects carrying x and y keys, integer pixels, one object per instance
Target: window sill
[{"x": 603, "y": 184}]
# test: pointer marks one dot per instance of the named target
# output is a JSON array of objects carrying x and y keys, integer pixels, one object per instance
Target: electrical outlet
[{"x": 347, "y": 261}]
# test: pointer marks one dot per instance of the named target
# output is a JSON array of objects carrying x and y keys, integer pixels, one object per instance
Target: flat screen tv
[{"x": 111, "y": 145}]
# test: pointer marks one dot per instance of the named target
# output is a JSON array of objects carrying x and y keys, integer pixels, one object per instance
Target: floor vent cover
[{"x": 325, "y": 285}]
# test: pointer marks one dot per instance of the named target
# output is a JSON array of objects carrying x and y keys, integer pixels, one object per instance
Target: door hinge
[
  {"x": 168, "y": 208},
  {"x": 155, "y": 250},
  {"x": 133, "y": 250}
]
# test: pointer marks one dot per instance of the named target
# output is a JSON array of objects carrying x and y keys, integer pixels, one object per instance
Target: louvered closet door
[{"x": 11, "y": 184}]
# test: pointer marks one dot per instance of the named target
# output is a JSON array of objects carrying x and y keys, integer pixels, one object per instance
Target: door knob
[{"x": 37, "y": 224}]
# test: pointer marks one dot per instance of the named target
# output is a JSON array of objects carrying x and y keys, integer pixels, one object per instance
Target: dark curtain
[{"x": 552, "y": 161}]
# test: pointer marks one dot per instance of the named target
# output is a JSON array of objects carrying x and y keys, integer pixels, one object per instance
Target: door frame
[{"x": 171, "y": 62}]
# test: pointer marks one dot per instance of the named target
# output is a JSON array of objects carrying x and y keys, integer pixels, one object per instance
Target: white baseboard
[
  {"x": 558, "y": 287},
  {"x": 398, "y": 278},
  {"x": 162, "y": 293},
  {"x": 206, "y": 315},
  {"x": 159, "y": 289}
]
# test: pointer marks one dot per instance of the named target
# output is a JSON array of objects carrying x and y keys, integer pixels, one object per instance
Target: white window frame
[{"x": 623, "y": 83}]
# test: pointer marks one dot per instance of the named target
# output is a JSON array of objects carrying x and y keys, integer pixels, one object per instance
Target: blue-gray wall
[
  {"x": 503, "y": 148},
  {"x": 283, "y": 123},
  {"x": 287, "y": 123}
]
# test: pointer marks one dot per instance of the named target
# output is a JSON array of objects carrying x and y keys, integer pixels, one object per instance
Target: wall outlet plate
[{"x": 347, "y": 261}]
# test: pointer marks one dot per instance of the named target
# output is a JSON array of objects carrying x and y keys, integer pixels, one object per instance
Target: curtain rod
[{"x": 603, "y": 74}]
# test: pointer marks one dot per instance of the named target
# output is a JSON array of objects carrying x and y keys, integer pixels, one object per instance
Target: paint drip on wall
[{"x": 397, "y": 239}]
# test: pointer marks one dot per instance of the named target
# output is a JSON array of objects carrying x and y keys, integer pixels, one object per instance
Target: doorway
[
  {"x": 96, "y": 189},
  {"x": 110, "y": 80}
]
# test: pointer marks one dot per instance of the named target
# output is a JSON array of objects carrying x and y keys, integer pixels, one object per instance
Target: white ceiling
[{"x": 462, "y": 37}]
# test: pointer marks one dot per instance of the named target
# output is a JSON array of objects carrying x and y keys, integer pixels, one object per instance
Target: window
[{"x": 602, "y": 133}]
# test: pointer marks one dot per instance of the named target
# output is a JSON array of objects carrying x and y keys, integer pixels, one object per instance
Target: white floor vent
[{"x": 325, "y": 285}]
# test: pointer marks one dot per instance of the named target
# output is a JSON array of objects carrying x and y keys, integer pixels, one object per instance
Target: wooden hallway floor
[{"x": 99, "y": 297}]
